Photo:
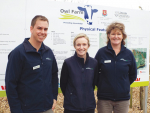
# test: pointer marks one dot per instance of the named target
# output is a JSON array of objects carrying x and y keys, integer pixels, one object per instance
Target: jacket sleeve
[
  {"x": 13, "y": 73},
  {"x": 95, "y": 76},
  {"x": 132, "y": 71},
  {"x": 98, "y": 69},
  {"x": 55, "y": 79},
  {"x": 64, "y": 78}
]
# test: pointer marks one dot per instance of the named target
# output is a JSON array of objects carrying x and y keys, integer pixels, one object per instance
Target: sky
[{"x": 129, "y": 4}]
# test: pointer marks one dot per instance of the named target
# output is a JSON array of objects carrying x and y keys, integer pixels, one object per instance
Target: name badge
[
  {"x": 36, "y": 67},
  {"x": 107, "y": 61}
]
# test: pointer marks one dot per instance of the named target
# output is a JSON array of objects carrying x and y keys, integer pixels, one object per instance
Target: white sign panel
[{"x": 66, "y": 20}]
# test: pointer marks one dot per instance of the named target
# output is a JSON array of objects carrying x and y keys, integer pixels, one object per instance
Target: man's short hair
[{"x": 38, "y": 17}]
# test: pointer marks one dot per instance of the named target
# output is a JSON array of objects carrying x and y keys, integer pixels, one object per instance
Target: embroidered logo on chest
[
  {"x": 48, "y": 58},
  {"x": 123, "y": 59},
  {"x": 89, "y": 68}
]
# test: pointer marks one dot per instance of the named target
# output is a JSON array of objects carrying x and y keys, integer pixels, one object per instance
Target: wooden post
[
  {"x": 131, "y": 90},
  {"x": 141, "y": 97}
]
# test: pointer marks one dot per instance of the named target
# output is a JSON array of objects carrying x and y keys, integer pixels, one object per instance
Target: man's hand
[{"x": 54, "y": 104}]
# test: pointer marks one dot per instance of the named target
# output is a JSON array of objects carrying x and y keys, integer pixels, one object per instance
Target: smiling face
[
  {"x": 115, "y": 37},
  {"x": 39, "y": 31},
  {"x": 81, "y": 46}
]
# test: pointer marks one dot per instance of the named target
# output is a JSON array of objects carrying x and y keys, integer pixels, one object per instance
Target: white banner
[{"x": 66, "y": 20}]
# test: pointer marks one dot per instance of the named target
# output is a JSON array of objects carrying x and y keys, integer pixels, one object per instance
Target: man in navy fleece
[{"x": 31, "y": 74}]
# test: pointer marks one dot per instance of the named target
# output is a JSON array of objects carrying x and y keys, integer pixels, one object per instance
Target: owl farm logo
[{"x": 87, "y": 13}]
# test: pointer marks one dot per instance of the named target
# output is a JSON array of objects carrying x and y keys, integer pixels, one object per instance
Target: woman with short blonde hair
[{"x": 78, "y": 76}]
